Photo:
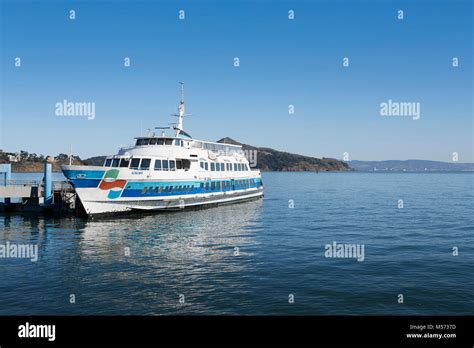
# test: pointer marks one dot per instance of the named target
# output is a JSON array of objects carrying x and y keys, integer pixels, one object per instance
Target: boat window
[
  {"x": 153, "y": 141},
  {"x": 124, "y": 163},
  {"x": 165, "y": 165},
  {"x": 142, "y": 142},
  {"x": 207, "y": 186},
  {"x": 213, "y": 185},
  {"x": 179, "y": 164},
  {"x": 201, "y": 164},
  {"x": 177, "y": 142},
  {"x": 172, "y": 165},
  {"x": 108, "y": 162},
  {"x": 134, "y": 163},
  {"x": 160, "y": 142},
  {"x": 157, "y": 164},
  {"x": 222, "y": 167},
  {"x": 168, "y": 141},
  {"x": 213, "y": 167},
  {"x": 145, "y": 164},
  {"x": 218, "y": 167},
  {"x": 206, "y": 165},
  {"x": 115, "y": 162},
  {"x": 186, "y": 164},
  {"x": 235, "y": 167}
]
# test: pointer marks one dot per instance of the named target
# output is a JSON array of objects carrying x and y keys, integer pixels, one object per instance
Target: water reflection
[
  {"x": 199, "y": 235},
  {"x": 188, "y": 252}
]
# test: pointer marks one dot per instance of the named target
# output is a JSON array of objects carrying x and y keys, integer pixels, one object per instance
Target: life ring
[{"x": 211, "y": 155}]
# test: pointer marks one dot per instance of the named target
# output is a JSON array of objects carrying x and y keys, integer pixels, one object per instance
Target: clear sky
[{"x": 282, "y": 62}]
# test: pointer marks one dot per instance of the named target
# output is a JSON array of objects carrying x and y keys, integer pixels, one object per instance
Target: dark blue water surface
[{"x": 281, "y": 251}]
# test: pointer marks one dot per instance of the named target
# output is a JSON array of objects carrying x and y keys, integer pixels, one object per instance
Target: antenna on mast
[{"x": 179, "y": 126}]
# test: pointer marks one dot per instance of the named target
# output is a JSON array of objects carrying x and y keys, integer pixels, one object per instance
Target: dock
[{"x": 57, "y": 198}]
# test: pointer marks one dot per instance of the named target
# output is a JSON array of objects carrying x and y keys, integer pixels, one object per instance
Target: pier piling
[{"x": 48, "y": 185}]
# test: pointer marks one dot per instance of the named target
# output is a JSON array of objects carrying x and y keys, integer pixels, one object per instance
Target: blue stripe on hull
[
  {"x": 85, "y": 183},
  {"x": 83, "y": 174},
  {"x": 162, "y": 189}
]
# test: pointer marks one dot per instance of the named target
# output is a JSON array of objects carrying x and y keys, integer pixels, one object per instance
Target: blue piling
[
  {"x": 6, "y": 170},
  {"x": 48, "y": 184}
]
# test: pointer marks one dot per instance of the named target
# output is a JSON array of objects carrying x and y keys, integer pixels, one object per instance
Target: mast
[{"x": 179, "y": 126}]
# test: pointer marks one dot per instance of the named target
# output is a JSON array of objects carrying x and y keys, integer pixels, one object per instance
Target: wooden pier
[
  {"x": 42, "y": 197},
  {"x": 28, "y": 197}
]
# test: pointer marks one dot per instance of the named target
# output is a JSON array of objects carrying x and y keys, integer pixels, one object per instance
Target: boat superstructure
[{"x": 162, "y": 172}]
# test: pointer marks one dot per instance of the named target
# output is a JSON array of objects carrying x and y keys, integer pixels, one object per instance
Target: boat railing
[
  {"x": 57, "y": 185},
  {"x": 124, "y": 148},
  {"x": 21, "y": 182}
]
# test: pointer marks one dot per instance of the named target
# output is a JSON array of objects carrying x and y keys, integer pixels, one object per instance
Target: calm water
[{"x": 281, "y": 251}]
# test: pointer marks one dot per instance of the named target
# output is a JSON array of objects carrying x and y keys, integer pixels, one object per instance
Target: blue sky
[{"x": 282, "y": 62}]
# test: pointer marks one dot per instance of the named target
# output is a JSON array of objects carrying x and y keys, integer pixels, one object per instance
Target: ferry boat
[{"x": 166, "y": 172}]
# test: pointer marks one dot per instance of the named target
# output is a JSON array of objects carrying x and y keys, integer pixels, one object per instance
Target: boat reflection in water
[
  {"x": 133, "y": 265},
  {"x": 172, "y": 238}
]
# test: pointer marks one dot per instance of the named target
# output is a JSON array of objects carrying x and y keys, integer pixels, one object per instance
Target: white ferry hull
[{"x": 166, "y": 204}]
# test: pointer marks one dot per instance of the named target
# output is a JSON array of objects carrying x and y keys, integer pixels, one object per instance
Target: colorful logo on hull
[{"x": 110, "y": 182}]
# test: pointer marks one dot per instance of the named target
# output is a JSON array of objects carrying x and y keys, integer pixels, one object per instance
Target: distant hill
[
  {"x": 24, "y": 162},
  {"x": 410, "y": 166},
  {"x": 273, "y": 160},
  {"x": 95, "y": 161}
]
